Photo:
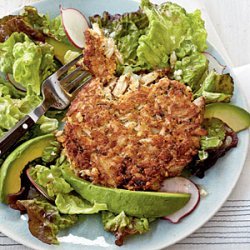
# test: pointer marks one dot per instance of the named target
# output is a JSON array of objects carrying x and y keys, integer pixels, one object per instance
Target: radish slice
[
  {"x": 17, "y": 85},
  {"x": 214, "y": 63},
  {"x": 181, "y": 185},
  {"x": 74, "y": 23}
]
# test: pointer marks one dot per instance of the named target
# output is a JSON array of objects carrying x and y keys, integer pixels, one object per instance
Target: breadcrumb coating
[{"x": 132, "y": 133}]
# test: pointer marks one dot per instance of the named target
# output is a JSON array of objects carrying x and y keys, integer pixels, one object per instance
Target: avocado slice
[
  {"x": 134, "y": 203},
  {"x": 60, "y": 48},
  {"x": 10, "y": 172},
  {"x": 235, "y": 117}
]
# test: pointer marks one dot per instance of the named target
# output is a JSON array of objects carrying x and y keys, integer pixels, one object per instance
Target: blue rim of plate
[{"x": 244, "y": 143}]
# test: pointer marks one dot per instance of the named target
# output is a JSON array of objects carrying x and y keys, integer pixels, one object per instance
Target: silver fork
[{"x": 58, "y": 91}]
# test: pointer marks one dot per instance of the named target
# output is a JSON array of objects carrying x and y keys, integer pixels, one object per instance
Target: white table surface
[{"x": 231, "y": 19}]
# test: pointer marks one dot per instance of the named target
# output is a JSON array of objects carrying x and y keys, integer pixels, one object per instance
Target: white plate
[{"x": 219, "y": 181}]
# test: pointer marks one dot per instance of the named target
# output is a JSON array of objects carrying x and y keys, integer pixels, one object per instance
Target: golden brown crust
[
  {"x": 96, "y": 60},
  {"x": 136, "y": 140}
]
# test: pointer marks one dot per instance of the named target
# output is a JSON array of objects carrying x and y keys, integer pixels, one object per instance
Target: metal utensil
[{"x": 58, "y": 91}]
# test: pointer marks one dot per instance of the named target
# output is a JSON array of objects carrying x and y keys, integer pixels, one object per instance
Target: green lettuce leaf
[
  {"x": 9, "y": 113},
  {"x": 16, "y": 23},
  {"x": 51, "y": 27},
  {"x": 6, "y": 88},
  {"x": 148, "y": 37},
  {"x": 29, "y": 63},
  {"x": 51, "y": 152},
  {"x": 215, "y": 134},
  {"x": 126, "y": 30},
  {"x": 197, "y": 31},
  {"x": 45, "y": 221},
  {"x": 6, "y": 52},
  {"x": 170, "y": 28},
  {"x": 51, "y": 180},
  {"x": 12, "y": 110},
  {"x": 122, "y": 225},
  {"x": 55, "y": 29},
  {"x": 26, "y": 64},
  {"x": 216, "y": 88},
  {"x": 72, "y": 204},
  {"x": 168, "y": 25},
  {"x": 191, "y": 69},
  {"x": 33, "y": 18},
  {"x": 47, "y": 124}
]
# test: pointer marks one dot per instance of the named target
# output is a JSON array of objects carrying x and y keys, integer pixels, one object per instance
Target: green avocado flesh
[
  {"x": 60, "y": 48},
  {"x": 235, "y": 117},
  {"x": 10, "y": 181},
  {"x": 134, "y": 203}
]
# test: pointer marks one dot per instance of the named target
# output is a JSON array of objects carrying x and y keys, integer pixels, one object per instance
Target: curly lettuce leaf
[
  {"x": 9, "y": 113},
  {"x": 6, "y": 52},
  {"x": 16, "y": 23},
  {"x": 148, "y": 37},
  {"x": 12, "y": 110},
  {"x": 47, "y": 124},
  {"x": 170, "y": 26},
  {"x": 27, "y": 60},
  {"x": 45, "y": 221},
  {"x": 7, "y": 88},
  {"x": 216, "y": 88},
  {"x": 191, "y": 69},
  {"x": 72, "y": 204},
  {"x": 29, "y": 63},
  {"x": 213, "y": 145},
  {"x": 197, "y": 31},
  {"x": 51, "y": 27},
  {"x": 126, "y": 30},
  {"x": 51, "y": 180},
  {"x": 32, "y": 17},
  {"x": 51, "y": 152},
  {"x": 216, "y": 133},
  {"x": 122, "y": 225},
  {"x": 55, "y": 29}
]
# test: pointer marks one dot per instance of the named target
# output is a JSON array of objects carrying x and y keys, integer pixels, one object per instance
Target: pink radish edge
[
  {"x": 214, "y": 63},
  {"x": 181, "y": 185},
  {"x": 77, "y": 39}
]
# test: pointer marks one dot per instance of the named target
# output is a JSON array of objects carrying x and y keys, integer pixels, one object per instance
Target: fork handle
[{"x": 14, "y": 134}]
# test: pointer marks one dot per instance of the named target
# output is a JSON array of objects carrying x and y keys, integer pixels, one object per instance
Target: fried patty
[
  {"x": 133, "y": 138},
  {"x": 99, "y": 54}
]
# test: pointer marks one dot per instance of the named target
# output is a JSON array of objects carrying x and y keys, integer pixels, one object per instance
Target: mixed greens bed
[{"x": 33, "y": 46}]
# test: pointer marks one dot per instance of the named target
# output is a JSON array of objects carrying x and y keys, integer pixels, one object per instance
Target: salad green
[
  {"x": 45, "y": 221},
  {"x": 166, "y": 29},
  {"x": 29, "y": 63},
  {"x": 25, "y": 57},
  {"x": 122, "y": 225},
  {"x": 216, "y": 88}
]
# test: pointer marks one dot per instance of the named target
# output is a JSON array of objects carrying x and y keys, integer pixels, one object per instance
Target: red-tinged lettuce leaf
[
  {"x": 198, "y": 167},
  {"x": 45, "y": 221},
  {"x": 122, "y": 225},
  {"x": 11, "y": 24}
]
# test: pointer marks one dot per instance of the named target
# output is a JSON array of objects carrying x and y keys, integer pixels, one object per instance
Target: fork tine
[
  {"x": 67, "y": 66},
  {"x": 70, "y": 76},
  {"x": 71, "y": 86},
  {"x": 86, "y": 80}
]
